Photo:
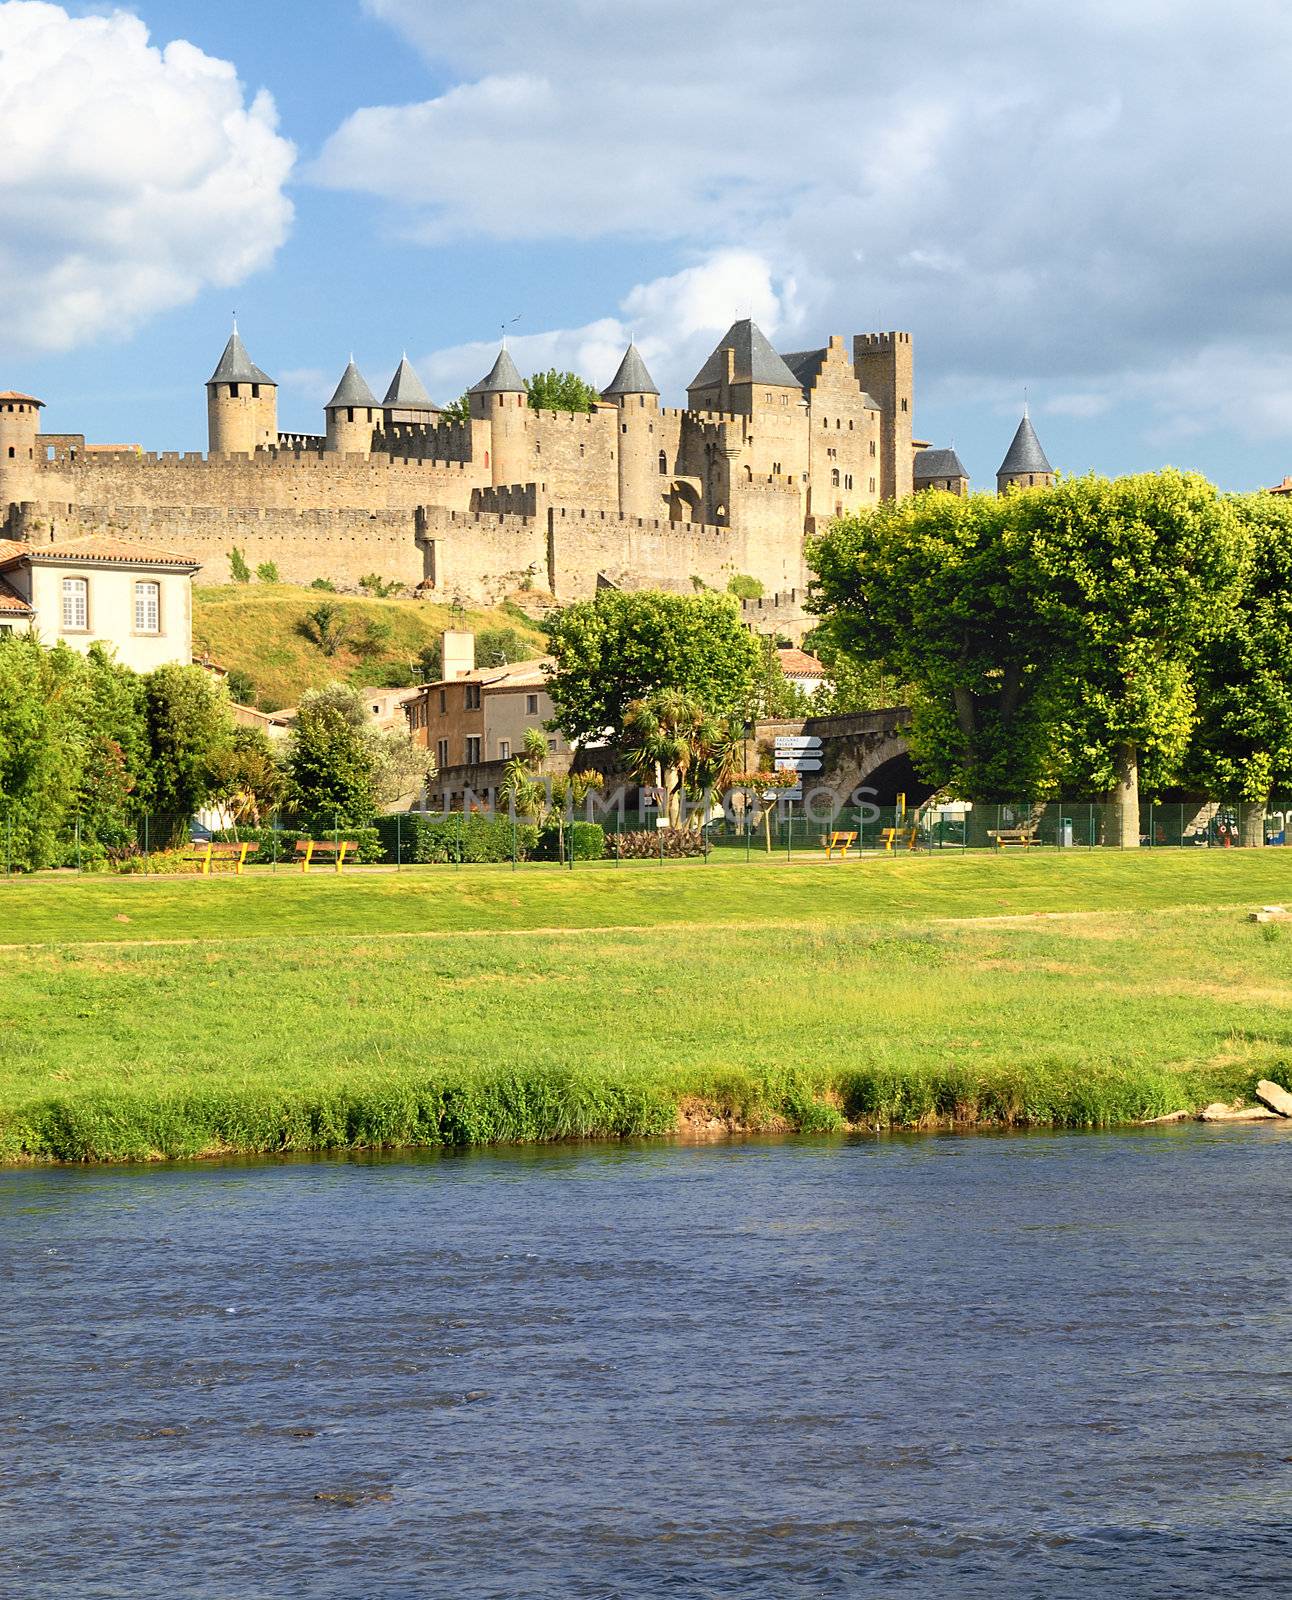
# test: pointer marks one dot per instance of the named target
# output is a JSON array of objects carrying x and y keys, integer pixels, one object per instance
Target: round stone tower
[
  {"x": 501, "y": 401},
  {"x": 241, "y": 404},
  {"x": 1025, "y": 465},
  {"x": 19, "y": 425},
  {"x": 352, "y": 414},
  {"x": 633, "y": 391}
]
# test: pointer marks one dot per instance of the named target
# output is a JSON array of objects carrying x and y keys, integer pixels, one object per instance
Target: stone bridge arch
[{"x": 864, "y": 749}]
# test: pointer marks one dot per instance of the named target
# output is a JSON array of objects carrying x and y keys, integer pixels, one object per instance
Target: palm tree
[{"x": 672, "y": 740}]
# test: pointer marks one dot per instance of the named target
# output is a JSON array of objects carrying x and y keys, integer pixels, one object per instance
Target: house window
[
  {"x": 473, "y": 749},
  {"x": 504, "y": 749},
  {"x": 147, "y": 607},
  {"x": 444, "y": 700},
  {"x": 531, "y": 705},
  {"x": 76, "y": 604},
  {"x": 472, "y": 700},
  {"x": 441, "y": 753}
]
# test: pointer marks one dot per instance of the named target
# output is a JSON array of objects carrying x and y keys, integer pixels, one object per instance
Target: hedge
[
  {"x": 421, "y": 839},
  {"x": 586, "y": 840}
]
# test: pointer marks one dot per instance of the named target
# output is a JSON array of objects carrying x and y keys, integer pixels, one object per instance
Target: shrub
[
  {"x": 585, "y": 840},
  {"x": 267, "y": 572},
  {"x": 426, "y": 840},
  {"x": 671, "y": 843},
  {"x": 744, "y": 587},
  {"x": 325, "y": 584},
  {"x": 238, "y": 568},
  {"x": 164, "y": 863}
]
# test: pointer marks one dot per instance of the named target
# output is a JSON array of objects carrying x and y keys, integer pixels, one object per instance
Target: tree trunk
[
  {"x": 1123, "y": 821},
  {"x": 1251, "y": 825}
]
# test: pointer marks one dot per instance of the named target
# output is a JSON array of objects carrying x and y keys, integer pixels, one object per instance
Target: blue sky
[{"x": 1086, "y": 201}]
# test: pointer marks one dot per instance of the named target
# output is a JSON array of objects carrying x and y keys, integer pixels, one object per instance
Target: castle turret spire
[
  {"x": 352, "y": 414},
  {"x": 502, "y": 377},
  {"x": 631, "y": 378},
  {"x": 241, "y": 403},
  {"x": 1025, "y": 465}
]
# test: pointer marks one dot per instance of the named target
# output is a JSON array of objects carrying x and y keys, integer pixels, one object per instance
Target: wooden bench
[
  {"x": 1020, "y": 836},
  {"x": 839, "y": 842},
  {"x": 209, "y": 850},
  {"x": 307, "y": 849},
  {"x": 890, "y": 838}
]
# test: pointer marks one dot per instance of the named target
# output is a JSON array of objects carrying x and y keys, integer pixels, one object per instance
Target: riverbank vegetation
[{"x": 146, "y": 1018}]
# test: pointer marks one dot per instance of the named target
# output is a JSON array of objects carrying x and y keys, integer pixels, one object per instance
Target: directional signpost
[{"x": 797, "y": 753}]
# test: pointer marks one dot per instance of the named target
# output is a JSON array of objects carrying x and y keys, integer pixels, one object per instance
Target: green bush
[
  {"x": 434, "y": 840},
  {"x": 279, "y": 844},
  {"x": 672, "y": 843},
  {"x": 164, "y": 863},
  {"x": 585, "y": 840}
]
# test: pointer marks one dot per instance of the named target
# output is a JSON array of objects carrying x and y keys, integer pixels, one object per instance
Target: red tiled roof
[
  {"x": 98, "y": 547},
  {"x": 11, "y": 602},
  {"x": 799, "y": 664},
  {"x": 12, "y": 547},
  {"x": 12, "y": 394}
]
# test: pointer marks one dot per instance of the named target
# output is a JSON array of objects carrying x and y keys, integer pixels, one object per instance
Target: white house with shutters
[{"x": 136, "y": 598}]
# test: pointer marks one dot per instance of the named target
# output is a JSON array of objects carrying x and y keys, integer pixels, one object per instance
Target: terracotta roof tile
[
  {"x": 98, "y": 547},
  {"x": 13, "y": 394},
  {"x": 12, "y": 603},
  {"x": 799, "y": 664}
]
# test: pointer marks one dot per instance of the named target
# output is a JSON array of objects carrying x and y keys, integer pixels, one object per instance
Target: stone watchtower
[
  {"x": 241, "y": 404},
  {"x": 1025, "y": 465},
  {"x": 352, "y": 415},
  {"x": 885, "y": 368},
  {"x": 501, "y": 400},
  {"x": 632, "y": 391},
  {"x": 19, "y": 425}
]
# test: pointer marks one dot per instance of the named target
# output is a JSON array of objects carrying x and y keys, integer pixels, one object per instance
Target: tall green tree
[
  {"x": 188, "y": 726},
  {"x": 560, "y": 391},
  {"x": 620, "y": 647},
  {"x": 116, "y": 756},
  {"x": 41, "y": 748},
  {"x": 1241, "y": 747},
  {"x": 939, "y": 592},
  {"x": 329, "y": 764},
  {"x": 1135, "y": 576}
]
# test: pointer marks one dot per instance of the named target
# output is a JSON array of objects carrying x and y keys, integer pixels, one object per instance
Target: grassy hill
[{"x": 265, "y": 631}]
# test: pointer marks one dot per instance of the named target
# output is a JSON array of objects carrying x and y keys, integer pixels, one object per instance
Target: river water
[{"x": 957, "y": 1366}]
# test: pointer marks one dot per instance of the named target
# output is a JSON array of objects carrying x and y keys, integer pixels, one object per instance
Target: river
[{"x": 1045, "y": 1365}]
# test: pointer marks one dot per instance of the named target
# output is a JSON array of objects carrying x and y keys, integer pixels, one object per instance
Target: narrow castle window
[
  {"x": 849, "y": 424},
  {"x": 623, "y": 427},
  {"x": 349, "y": 413},
  {"x": 233, "y": 391},
  {"x": 834, "y": 477},
  {"x": 905, "y": 407},
  {"x": 872, "y": 486},
  {"x": 11, "y": 452},
  {"x": 255, "y": 391},
  {"x": 847, "y": 482},
  {"x": 663, "y": 462},
  {"x": 872, "y": 447}
]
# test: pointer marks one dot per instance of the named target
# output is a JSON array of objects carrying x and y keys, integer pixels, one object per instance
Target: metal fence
[{"x": 785, "y": 829}]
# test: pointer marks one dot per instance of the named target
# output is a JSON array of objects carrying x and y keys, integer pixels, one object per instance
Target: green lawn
[{"x": 178, "y": 1016}]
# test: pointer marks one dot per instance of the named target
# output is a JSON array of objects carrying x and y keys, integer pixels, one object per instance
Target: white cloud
[
  {"x": 1055, "y": 194},
  {"x": 675, "y": 321},
  {"x": 130, "y": 176}
]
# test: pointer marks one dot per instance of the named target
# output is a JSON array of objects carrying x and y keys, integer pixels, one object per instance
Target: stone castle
[{"x": 631, "y": 494}]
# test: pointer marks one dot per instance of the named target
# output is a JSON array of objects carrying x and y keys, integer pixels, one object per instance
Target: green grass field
[{"x": 173, "y": 1017}]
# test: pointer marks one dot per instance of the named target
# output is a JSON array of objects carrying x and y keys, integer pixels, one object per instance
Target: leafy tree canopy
[
  {"x": 560, "y": 391},
  {"x": 621, "y": 647}
]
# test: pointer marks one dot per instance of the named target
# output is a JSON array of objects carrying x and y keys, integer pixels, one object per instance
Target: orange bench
[
  {"x": 211, "y": 850},
  {"x": 837, "y": 841},
  {"x": 891, "y": 837},
  {"x": 307, "y": 849}
]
